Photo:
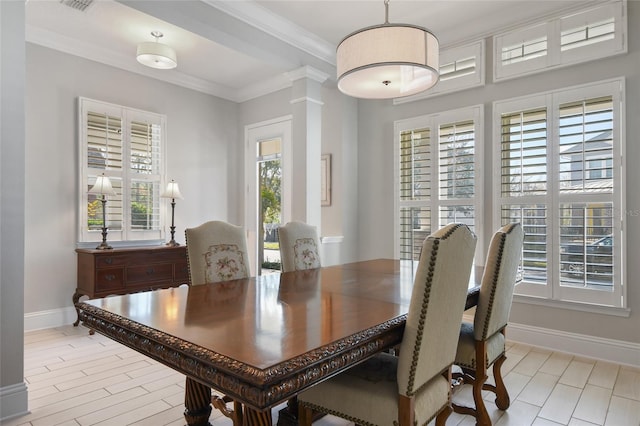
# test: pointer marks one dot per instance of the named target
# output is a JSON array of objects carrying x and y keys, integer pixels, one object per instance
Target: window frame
[
  {"x": 127, "y": 235},
  {"x": 433, "y": 122},
  {"x": 552, "y": 291},
  {"x": 552, "y": 30},
  {"x": 475, "y": 50}
]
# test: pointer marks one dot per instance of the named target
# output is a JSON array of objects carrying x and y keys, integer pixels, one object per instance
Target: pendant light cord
[{"x": 386, "y": 11}]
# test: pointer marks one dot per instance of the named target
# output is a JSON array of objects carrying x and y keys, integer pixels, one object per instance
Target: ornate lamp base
[{"x": 103, "y": 245}]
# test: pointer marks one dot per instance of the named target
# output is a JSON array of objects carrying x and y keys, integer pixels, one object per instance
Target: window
[
  {"x": 438, "y": 176},
  {"x": 461, "y": 68},
  {"x": 560, "y": 157},
  {"x": 126, "y": 145},
  {"x": 582, "y": 36}
]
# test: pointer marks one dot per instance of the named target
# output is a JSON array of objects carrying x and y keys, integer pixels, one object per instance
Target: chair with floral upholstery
[
  {"x": 481, "y": 344},
  {"x": 217, "y": 251},
  {"x": 415, "y": 386},
  {"x": 299, "y": 247}
]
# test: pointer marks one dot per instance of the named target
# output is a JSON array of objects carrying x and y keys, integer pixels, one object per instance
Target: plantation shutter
[
  {"x": 586, "y": 194},
  {"x": 415, "y": 186}
]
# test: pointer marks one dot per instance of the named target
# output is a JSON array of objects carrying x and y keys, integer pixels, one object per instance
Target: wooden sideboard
[{"x": 128, "y": 270}]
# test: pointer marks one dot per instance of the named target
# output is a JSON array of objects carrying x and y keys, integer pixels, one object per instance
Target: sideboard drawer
[
  {"x": 109, "y": 279},
  {"x": 152, "y": 272},
  {"x": 110, "y": 261},
  {"x": 182, "y": 272}
]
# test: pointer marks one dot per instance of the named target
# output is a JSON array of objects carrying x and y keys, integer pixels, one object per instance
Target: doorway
[{"x": 268, "y": 191}]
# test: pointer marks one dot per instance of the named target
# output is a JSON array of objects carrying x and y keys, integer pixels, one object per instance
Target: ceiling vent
[{"x": 80, "y": 5}]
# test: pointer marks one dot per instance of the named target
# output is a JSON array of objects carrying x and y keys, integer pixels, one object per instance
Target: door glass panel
[{"x": 270, "y": 199}]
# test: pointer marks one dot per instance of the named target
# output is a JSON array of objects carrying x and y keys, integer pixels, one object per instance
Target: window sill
[{"x": 574, "y": 306}]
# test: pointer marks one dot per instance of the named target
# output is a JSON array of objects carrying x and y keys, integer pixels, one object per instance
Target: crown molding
[
  {"x": 91, "y": 52},
  {"x": 308, "y": 72},
  {"x": 251, "y": 13}
]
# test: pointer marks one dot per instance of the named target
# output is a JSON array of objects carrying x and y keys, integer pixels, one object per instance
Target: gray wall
[
  {"x": 202, "y": 146},
  {"x": 375, "y": 183},
  {"x": 13, "y": 391}
]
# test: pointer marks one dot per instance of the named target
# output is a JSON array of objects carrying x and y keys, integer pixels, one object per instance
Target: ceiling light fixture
[
  {"x": 387, "y": 61},
  {"x": 156, "y": 55}
]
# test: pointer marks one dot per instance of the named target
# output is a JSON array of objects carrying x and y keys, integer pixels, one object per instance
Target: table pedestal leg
[
  {"x": 197, "y": 402},
  {"x": 256, "y": 418}
]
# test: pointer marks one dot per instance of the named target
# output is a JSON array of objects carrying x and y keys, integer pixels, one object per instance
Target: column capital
[{"x": 307, "y": 72}]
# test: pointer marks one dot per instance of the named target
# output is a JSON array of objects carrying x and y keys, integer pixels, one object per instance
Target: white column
[
  {"x": 13, "y": 390},
  {"x": 306, "y": 107}
]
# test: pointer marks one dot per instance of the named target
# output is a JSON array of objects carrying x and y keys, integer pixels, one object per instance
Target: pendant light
[
  {"x": 387, "y": 61},
  {"x": 156, "y": 55}
]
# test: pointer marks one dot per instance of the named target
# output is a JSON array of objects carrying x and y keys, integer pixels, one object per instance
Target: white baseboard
[
  {"x": 49, "y": 319},
  {"x": 617, "y": 351},
  {"x": 13, "y": 401}
]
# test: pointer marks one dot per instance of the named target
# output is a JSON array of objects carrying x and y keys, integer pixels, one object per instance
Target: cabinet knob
[
  {"x": 110, "y": 277},
  {"x": 108, "y": 261},
  {"x": 150, "y": 271}
]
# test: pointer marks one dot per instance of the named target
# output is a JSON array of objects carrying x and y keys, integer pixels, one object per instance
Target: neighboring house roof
[{"x": 601, "y": 140}]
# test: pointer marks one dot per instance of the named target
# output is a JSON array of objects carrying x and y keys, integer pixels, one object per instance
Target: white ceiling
[{"x": 241, "y": 49}]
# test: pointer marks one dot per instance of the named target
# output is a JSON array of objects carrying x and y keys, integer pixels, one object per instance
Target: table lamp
[
  {"x": 173, "y": 192},
  {"x": 103, "y": 187}
]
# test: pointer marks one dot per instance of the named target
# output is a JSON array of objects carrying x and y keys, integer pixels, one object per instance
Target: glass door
[{"x": 270, "y": 201}]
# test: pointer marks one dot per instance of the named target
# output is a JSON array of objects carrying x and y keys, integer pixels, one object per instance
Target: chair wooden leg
[
  {"x": 502, "y": 395},
  {"x": 441, "y": 418},
  {"x": 482, "y": 416},
  {"x": 305, "y": 415},
  {"x": 443, "y": 415},
  {"x": 406, "y": 410}
]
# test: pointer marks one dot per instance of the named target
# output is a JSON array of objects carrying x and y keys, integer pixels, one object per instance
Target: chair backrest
[
  {"x": 299, "y": 247},
  {"x": 437, "y": 302},
  {"x": 216, "y": 251},
  {"x": 498, "y": 281}
]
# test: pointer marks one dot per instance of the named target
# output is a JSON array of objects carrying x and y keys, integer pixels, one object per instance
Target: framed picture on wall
[{"x": 325, "y": 180}]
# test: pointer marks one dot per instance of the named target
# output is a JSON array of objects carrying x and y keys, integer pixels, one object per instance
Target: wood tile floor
[{"x": 78, "y": 379}]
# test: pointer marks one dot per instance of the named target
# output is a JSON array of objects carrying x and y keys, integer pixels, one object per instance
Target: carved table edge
[{"x": 258, "y": 388}]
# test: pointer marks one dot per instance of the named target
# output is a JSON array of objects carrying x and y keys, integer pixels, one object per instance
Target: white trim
[
  {"x": 617, "y": 351},
  {"x": 307, "y": 72},
  {"x": 14, "y": 401},
  {"x": 574, "y": 306},
  {"x": 50, "y": 318},
  {"x": 477, "y": 79},
  {"x": 551, "y": 29},
  {"x": 280, "y": 127},
  {"x": 306, "y": 99},
  {"x": 252, "y": 13},
  {"x": 334, "y": 239}
]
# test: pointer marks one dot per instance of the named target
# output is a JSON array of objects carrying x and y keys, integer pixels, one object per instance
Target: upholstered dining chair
[
  {"x": 415, "y": 386},
  {"x": 299, "y": 247},
  {"x": 481, "y": 344},
  {"x": 217, "y": 251}
]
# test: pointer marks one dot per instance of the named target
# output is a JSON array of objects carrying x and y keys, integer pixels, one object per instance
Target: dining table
[{"x": 262, "y": 340}]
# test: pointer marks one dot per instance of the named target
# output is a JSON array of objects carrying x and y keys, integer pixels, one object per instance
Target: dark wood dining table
[{"x": 262, "y": 340}]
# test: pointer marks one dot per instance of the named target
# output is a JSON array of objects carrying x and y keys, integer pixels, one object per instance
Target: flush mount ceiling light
[
  {"x": 156, "y": 55},
  {"x": 387, "y": 61}
]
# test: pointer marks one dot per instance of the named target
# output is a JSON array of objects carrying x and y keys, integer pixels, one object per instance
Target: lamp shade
[
  {"x": 156, "y": 55},
  {"x": 172, "y": 191},
  {"x": 387, "y": 61},
  {"x": 102, "y": 186}
]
